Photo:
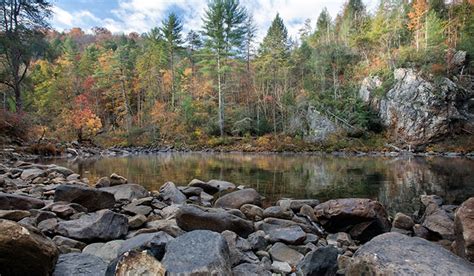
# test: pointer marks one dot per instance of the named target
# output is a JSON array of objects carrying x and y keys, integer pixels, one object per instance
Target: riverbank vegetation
[{"x": 217, "y": 86}]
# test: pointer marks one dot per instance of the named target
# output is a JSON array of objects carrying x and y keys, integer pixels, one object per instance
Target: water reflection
[{"x": 396, "y": 182}]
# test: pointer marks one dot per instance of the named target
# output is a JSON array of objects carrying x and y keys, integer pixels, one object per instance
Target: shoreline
[{"x": 110, "y": 223}]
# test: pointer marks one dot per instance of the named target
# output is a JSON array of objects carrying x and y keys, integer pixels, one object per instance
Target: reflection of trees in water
[{"x": 396, "y": 182}]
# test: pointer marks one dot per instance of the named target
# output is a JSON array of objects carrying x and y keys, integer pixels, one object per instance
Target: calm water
[{"x": 396, "y": 182}]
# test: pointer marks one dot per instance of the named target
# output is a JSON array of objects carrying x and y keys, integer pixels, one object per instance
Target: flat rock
[
  {"x": 397, "y": 254},
  {"x": 25, "y": 251},
  {"x": 171, "y": 194},
  {"x": 235, "y": 200},
  {"x": 19, "y": 202},
  {"x": 323, "y": 261},
  {"x": 106, "y": 251},
  {"x": 199, "y": 252},
  {"x": 14, "y": 215},
  {"x": 289, "y": 235},
  {"x": 361, "y": 218},
  {"x": 464, "y": 230},
  {"x": 283, "y": 253},
  {"x": 79, "y": 264},
  {"x": 101, "y": 225},
  {"x": 136, "y": 263},
  {"x": 190, "y": 217},
  {"x": 91, "y": 198},
  {"x": 127, "y": 191}
]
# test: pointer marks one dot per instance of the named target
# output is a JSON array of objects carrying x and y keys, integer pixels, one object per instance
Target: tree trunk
[{"x": 221, "y": 98}]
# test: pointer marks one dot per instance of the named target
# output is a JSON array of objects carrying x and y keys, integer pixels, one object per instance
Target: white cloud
[{"x": 142, "y": 15}]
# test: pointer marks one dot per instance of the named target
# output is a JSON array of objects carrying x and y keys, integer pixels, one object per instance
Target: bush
[{"x": 15, "y": 125}]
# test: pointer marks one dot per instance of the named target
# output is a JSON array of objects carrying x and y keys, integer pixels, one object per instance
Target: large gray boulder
[
  {"x": 190, "y": 217},
  {"x": 418, "y": 110},
  {"x": 319, "y": 126},
  {"x": 171, "y": 194},
  {"x": 19, "y": 202},
  {"x": 79, "y": 264},
  {"x": 25, "y": 251},
  {"x": 102, "y": 225},
  {"x": 127, "y": 191},
  {"x": 322, "y": 261},
  {"x": 91, "y": 198},
  {"x": 397, "y": 254},
  {"x": 235, "y": 200},
  {"x": 198, "y": 252}
]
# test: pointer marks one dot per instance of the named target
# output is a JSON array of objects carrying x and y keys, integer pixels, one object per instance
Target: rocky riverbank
[{"x": 52, "y": 221}]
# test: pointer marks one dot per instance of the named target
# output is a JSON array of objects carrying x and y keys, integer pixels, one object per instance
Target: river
[{"x": 396, "y": 182}]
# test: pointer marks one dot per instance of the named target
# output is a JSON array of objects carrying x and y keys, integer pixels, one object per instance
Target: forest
[{"x": 217, "y": 84}]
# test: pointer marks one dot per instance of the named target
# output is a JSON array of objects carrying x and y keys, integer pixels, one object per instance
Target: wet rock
[
  {"x": 79, "y": 264},
  {"x": 277, "y": 212},
  {"x": 208, "y": 188},
  {"x": 296, "y": 204},
  {"x": 14, "y": 215},
  {"x": 136, "y": 263},
  {"x": 221, "y": 185},
  {"x": 19, "y": 202},
  {"x": 106, "y": 251},
  {"x": 154, "y": 242},
  {"x": 283, "y": 253},
  {"x": 191, "y": 217},
  {"x": 101, "y": 225},
  {"x": 116, "y": 179},
  {"x": 127, "y": 191},
  {"x": 171, "y": 195},
  {"x": 246, "y": 269},
  {"x": 289, "y": 235},
  {"x": 403, "y": 221},
  {"x": 212, "y": 249},
  {"x": 136, "y": 221},
  {"x": 396, "y": 254},
  {"x": 362, "y": 218},
  {"x": 464, "y": 230},
  {"x": 323, "y": 261},
  {"x": 252, "y": 212},
  {"x": 25, "y": 251},
  {"x": 235, "y": 200},
  {"x": 92, "y": 199}
]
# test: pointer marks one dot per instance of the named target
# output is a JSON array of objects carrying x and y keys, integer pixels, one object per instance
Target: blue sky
[{"x": 124, "y": 16}]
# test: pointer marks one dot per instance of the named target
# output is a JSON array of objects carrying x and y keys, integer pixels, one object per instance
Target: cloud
[{"x": 142, "y": 15}]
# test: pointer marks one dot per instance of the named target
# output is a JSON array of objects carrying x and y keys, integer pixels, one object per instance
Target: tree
[
  {"x": 417, "y": 19},
  {"x": 224, "y": 31},
  {"x": 171, "y": 30},
  {"x": 21, "y": 39}
]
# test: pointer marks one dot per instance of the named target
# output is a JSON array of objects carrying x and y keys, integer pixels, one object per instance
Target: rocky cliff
[{"x": 417, "y": 110}]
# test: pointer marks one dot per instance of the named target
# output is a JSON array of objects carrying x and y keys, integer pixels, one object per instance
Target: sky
[{"x": 125, "y": 16}]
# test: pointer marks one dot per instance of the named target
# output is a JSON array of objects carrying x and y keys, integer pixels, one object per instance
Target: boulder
[
  {"x": 25, "y": 251},
  {"x": 79, "y": 264},
  {"x": 420, "y": 111},
  {"x": 102, "y": 182},
  {"x": 92, "y": 199},
  {"x": 252, "y": 212},
  {"x": 106, "y": 251},
  {"x": 190, "y": 217},
  {"x": 235, "y": 200},
  {"x": 464, "y": 230},
  {"x": 199, "y": 252},
  {"x": 127, "y": 191},
  {"x": 171, "y": 194},
  {"x": 154, "y": 242},
  {"x": 289, "y": 235},
  {"x": 14, "y": 215},
  {"x": 403, "y": 221},
  {"x": 116, "y": 179},
  {"x": 277, "y": 212},
  {"x": 101, "y": 225},
  {"x": 221, "y": 185},
  {"x": 439, "y": 222},
  {"x": 208, "y": 188},
  {"x": 319, "y": 126},
  {"x": 282, "y": 253},
  {"x": 136, "y": 263},
  {"x": 19, "y": 202},
  {"x": 397, "y": 254},
  {"x": 362, "y": 218},
  {"x": 323, "y": 261}
]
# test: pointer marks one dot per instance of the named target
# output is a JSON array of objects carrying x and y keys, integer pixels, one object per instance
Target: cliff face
[{"x": 418, "y": 111}]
